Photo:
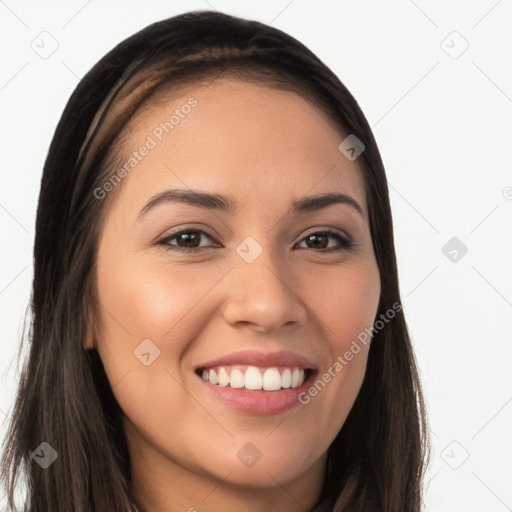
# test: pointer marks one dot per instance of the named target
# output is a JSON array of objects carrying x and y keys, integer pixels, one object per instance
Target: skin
[{"x": 265, "y": 148}]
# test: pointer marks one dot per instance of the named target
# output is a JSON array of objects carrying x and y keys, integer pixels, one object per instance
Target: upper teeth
[{"x": 252, "y": 377}]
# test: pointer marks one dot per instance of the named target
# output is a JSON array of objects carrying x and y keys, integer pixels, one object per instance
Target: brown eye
[
  {"x": 187, "y": 240},
  {"x": 320, "y": 240}
]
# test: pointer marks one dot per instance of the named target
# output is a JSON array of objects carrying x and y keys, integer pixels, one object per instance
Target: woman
[{"x": 269, "y": 368}]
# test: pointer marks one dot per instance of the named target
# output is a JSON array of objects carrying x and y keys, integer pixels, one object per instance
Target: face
[{"x": 201, "y": 302}]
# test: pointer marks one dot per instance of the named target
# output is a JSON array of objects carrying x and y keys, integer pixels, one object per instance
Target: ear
[{"x": 90, "y": 338}]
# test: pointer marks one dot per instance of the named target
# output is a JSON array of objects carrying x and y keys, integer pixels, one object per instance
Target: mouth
[
  {"x": 256, "y": 378},
  {"x": 257, "y": 383}
]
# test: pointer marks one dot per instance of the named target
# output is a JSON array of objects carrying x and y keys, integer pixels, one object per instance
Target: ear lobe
[{"x": 89, "y": 341}]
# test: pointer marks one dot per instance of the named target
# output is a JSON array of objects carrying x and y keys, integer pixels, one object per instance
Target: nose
[{"x": 264, "y": 295}]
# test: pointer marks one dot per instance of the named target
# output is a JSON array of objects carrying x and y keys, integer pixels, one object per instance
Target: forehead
[{"x": 229, "y": 135}]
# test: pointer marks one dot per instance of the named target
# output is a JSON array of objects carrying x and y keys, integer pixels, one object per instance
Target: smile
[
  {"x": 257, "y": 383},
  {"x": 254, "y": 378}
]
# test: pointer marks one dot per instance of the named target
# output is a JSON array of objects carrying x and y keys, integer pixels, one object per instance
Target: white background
[{"x": 444, "y": 128}]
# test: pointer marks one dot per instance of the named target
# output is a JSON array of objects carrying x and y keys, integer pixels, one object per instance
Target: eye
[
  {"x": 189, "y": 241},
  {"x": 318, "y": 239},
  {"x": 189, "y": 237}
]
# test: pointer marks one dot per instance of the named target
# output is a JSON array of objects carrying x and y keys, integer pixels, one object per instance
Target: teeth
[
  {"x": 253, "y": 378},
  {"x": 286, "y": 379},
  {"x": 236, "y": 379},
  {"x": 223, "y": 377},
  {"x": 271, "y": 380},
  {"x": 294, "y": 379},
  {"x": 212, "y": 377}
]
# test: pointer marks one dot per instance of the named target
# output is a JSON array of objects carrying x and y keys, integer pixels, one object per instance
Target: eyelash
[{"x": 345, "y": 244}]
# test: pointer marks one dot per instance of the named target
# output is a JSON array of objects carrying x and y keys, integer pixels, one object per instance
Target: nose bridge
[{"x": 261, "y": 288}]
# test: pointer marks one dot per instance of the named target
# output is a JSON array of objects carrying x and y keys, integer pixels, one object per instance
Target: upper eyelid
[{"x": 187, "y": 230}]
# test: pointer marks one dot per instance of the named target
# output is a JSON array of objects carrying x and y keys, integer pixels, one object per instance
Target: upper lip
[{"x": 255, "y": 358}]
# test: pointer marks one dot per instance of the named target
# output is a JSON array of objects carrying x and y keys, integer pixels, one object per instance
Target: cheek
[
  {"x": 149, "y": 300},
  {"x": 348, "y": 304},
  {"x": 143, "y": 302}
]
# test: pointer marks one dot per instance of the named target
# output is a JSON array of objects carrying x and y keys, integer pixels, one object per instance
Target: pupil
[
  {"x": 187, "y": 237},
  {"x": 316, "y": 238}
]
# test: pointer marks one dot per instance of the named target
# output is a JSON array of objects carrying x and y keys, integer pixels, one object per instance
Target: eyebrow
[{"x": 229, "y": 205}]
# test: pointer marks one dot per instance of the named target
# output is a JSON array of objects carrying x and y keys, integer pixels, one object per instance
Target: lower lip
[{"x": 258, "y": 402}]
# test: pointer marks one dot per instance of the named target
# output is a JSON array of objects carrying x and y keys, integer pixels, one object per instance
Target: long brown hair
[{"x": 377, "y": 460}]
